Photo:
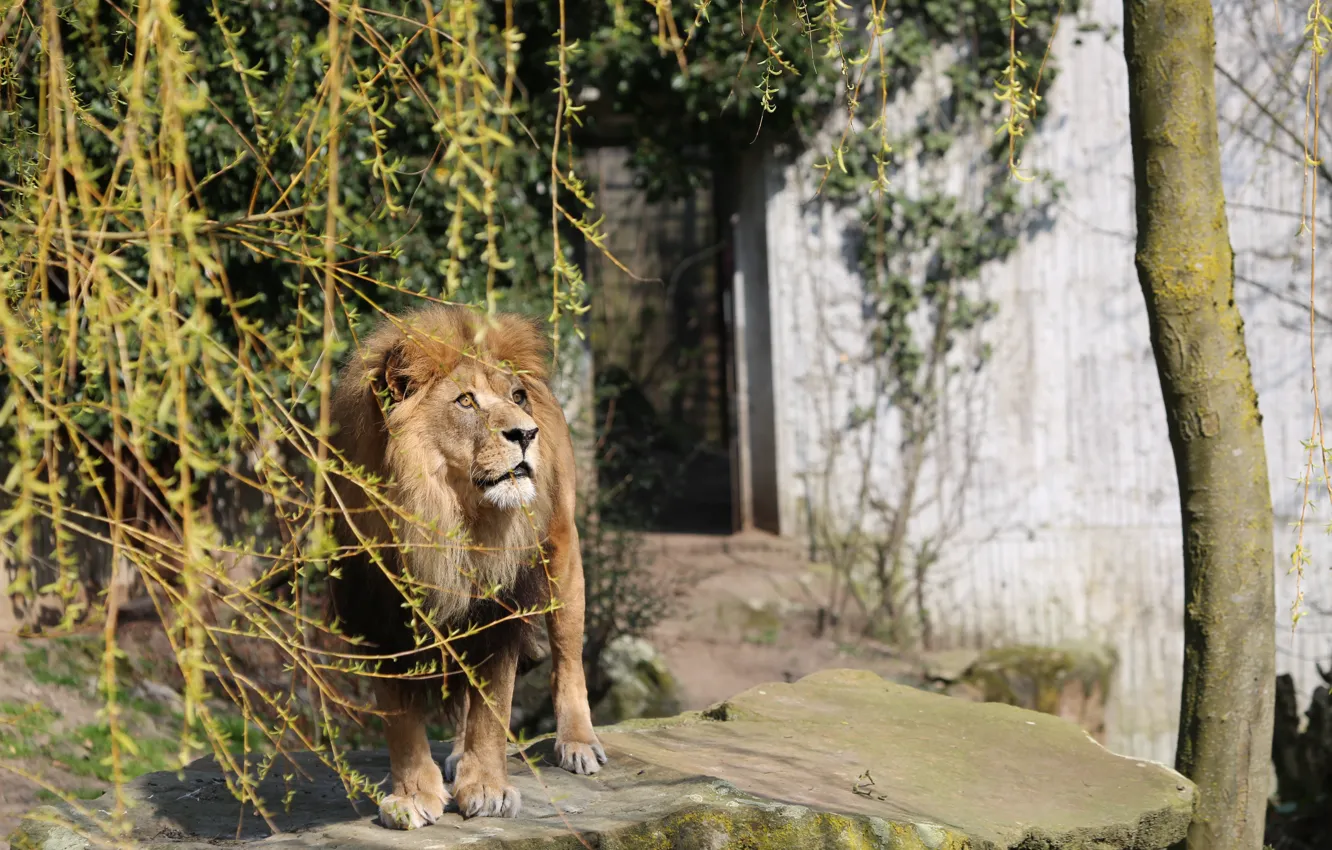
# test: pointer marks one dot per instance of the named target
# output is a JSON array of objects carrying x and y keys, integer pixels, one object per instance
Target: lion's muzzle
[{"x": 519, "y": 472}]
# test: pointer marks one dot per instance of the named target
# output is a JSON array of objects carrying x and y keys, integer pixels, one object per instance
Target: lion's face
[
  {"x": 435, "y": 407},
  {"x": 480, "y": 422}
]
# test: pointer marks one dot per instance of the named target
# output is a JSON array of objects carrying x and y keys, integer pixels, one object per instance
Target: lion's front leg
[
  {"x": 576, "y": 744},
  {"x": 482, "y": 786},
  {"x": 419, "y": 796}
]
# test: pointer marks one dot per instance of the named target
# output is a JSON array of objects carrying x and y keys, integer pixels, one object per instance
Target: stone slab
[{"x": 839, "y": 759}]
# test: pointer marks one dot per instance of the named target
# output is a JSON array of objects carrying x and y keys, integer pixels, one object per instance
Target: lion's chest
[{"x": 456, "y": 577}]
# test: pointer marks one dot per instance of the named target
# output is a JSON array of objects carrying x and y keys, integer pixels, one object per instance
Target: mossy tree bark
[{"x": 1186, "y": 269}]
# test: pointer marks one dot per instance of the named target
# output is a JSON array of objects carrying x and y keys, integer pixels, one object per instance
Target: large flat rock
[{"x": 839, "y": 759}]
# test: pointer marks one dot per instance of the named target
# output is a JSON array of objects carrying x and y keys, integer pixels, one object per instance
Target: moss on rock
[
  {"x": 780, "y": 827},
  {"x": 1071, "y": 681}
]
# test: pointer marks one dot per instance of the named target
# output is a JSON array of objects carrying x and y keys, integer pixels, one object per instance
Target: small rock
[
  {"x": 1071, "y": 681},
  {"x": 641, "y": 684},
  {"x": 159, "y": 693},
  {"x": 43, "y": 829},
  {"x": 947, "y": 665}
]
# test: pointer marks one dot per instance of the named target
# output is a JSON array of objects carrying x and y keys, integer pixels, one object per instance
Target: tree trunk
[{"x": 1186, "y": 269}]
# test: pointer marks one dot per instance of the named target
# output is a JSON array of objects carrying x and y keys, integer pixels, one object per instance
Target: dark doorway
[{"x": 658, "y": 338}]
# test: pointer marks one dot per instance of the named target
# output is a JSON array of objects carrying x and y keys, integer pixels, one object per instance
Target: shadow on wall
[{"x": 654, "y": 472}]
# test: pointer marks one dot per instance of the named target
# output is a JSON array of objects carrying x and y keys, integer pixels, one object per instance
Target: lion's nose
[{"x": 522, "y": 436}]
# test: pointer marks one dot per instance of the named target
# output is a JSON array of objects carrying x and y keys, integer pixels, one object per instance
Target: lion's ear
[{"x": 395, "y": 374}]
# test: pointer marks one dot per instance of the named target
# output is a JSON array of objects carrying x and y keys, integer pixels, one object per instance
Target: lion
[{"x": 451, "y": 411}]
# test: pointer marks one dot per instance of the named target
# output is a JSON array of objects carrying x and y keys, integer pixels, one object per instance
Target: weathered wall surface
[{"x": 1069, "y": 523}]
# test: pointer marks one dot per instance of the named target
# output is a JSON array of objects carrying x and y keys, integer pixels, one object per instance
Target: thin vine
[{"x": 1318, "y": 30}]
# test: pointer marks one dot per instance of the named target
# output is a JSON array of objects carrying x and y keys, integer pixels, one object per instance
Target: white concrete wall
[{"x": 1070, "y": 518}]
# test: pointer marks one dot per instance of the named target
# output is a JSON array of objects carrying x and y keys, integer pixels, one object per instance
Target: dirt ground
[
  {"x": 19, "y": 689},
  {"x": 51, "y": 735},
  {"x": 747, "y": 616}
]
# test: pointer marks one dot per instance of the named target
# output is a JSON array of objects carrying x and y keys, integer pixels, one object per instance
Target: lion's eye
[
  {"x": 466, "y": 400},
  {"x": 520, "y": 397}
]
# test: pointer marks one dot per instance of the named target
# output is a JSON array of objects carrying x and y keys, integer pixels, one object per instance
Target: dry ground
[
  {"x": 749, "y": 617},
  {"x": 51, "y": 733}
]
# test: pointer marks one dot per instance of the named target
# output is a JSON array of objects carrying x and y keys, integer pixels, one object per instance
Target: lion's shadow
[{"x": 300, "y": 793}]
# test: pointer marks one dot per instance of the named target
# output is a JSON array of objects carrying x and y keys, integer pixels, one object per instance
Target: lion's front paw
[
  {"x": 487, "y": 800},
  {"x": 411, "y": 811},
  {"x": 581, "y": 757}
]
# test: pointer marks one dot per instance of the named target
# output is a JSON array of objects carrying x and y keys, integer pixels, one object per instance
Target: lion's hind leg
[{"x": 459, "y": 736}]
